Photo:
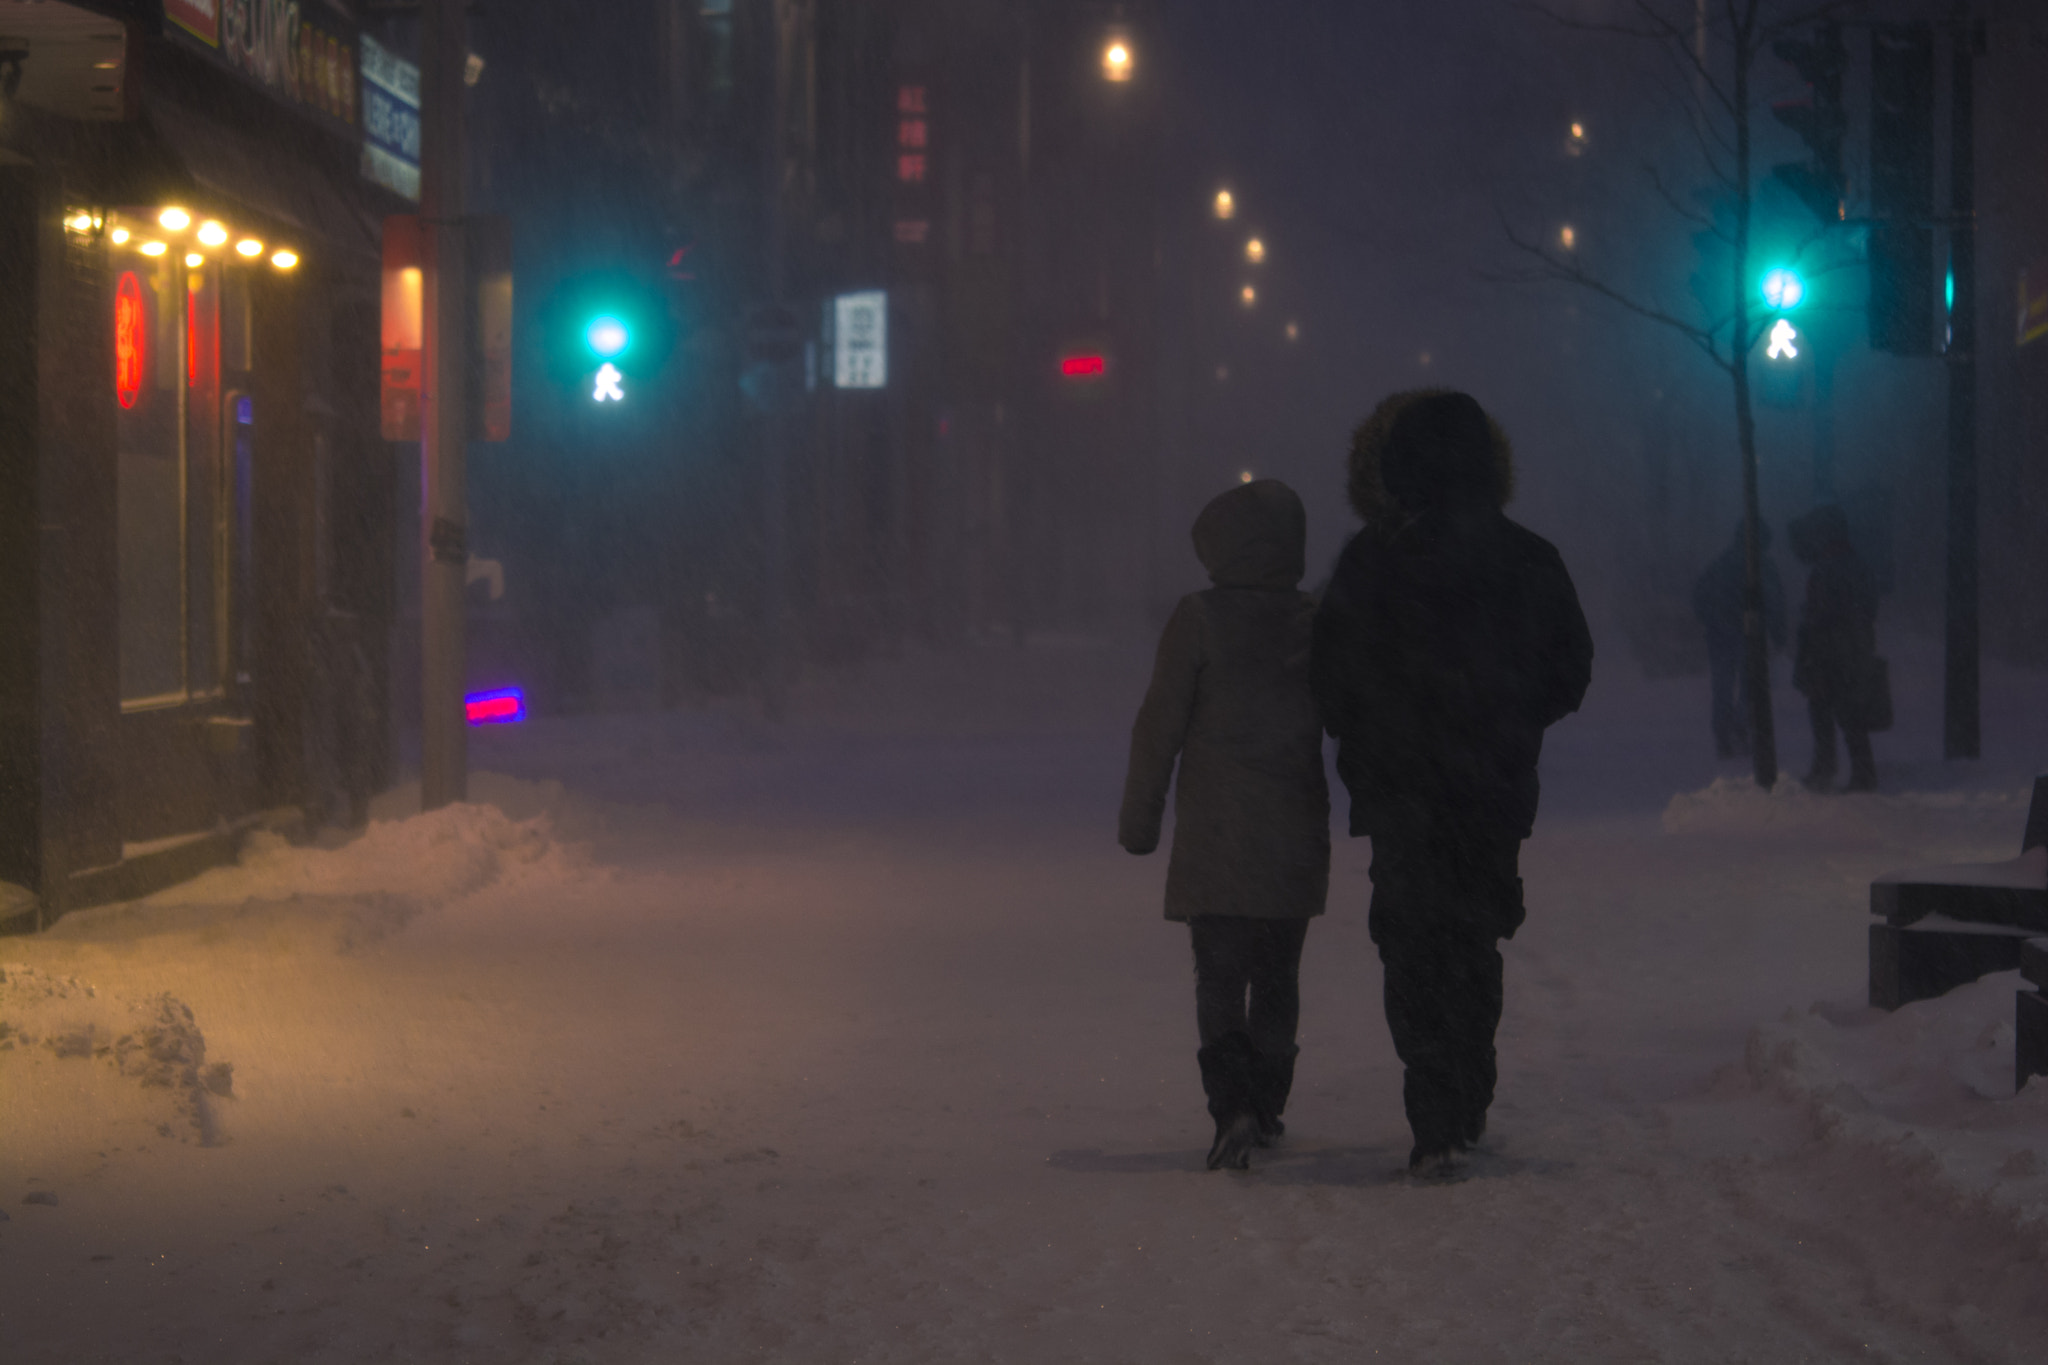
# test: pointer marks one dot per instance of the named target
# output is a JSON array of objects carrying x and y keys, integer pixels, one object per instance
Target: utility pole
[
  {"x": 1960, "y": 732},
  {"x": 444, "y": 409}
]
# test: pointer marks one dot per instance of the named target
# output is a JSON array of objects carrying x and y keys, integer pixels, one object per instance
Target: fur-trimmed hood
[{"x": 1365, "y": 486}]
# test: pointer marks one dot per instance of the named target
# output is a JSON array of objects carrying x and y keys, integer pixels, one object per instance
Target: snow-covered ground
[{"x": 857, "y": 1039}]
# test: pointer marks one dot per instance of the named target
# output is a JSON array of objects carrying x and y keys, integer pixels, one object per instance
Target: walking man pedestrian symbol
[{"x": 609, "y": 385}]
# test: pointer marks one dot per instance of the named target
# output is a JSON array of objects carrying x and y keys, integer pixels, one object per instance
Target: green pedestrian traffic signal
[{"x": 1783, "y": 289}]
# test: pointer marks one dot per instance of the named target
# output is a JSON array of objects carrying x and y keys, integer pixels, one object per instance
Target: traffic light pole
[
  {"x": 444, "y": 410},
  {"x": 1961, "y": 736}
]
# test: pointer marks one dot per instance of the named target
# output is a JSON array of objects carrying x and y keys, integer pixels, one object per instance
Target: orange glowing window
[{"x": 131, "y": 329}]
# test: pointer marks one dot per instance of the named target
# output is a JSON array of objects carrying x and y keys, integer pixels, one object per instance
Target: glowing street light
[
  {"x": 1255, "y": 251},
  {"x": 1226, "y": 204},
  {"x": 1568, "y": 237},
  {"x": 283, "y": 259},
  {"x": 213, "y": 234},
  {"x": 175, "y": 219},
  {"x": 249, "y": 247},
  {"x": 1294, "y": 331},
  {"x": 1248, "y": 296},
  {"x": 193, "y": 260},
  {"x": 1116, "y": 60}
]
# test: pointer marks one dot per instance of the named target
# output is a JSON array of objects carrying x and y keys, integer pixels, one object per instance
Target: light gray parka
[{"x": 1230, "y": 699}]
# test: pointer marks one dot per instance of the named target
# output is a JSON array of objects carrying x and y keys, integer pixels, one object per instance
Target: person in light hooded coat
[{"x": 1230, "y": 702}]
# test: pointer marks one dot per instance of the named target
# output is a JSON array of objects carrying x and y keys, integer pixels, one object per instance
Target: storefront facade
[{"x": 196, "y": 511}]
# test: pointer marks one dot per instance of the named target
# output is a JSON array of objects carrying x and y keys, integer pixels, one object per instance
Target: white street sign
[{"x": 860, "y": 340}]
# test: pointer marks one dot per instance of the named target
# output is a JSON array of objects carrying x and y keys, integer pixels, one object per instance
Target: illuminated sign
[
  {"x": 860, "y": 340},
  {"x": 1784, "y": 342},
  {"x": 200, "y": 18},
  {"x": 131, "y": 330},
  {"x": 391, "y": 119},
  {"x": 1083, "y": 366},
  {"x": 502, "y": 707},
  {"x": 610, "y": 385}
]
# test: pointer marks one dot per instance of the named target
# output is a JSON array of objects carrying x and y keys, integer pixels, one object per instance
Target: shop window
[{"x": 172, "y": 502}]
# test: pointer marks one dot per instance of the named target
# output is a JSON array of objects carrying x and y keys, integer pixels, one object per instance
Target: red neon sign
[
  {"x": 131, "y": 330},
  {"x": 495, "y": 708},
  {"x": 1083, "y": 366}
]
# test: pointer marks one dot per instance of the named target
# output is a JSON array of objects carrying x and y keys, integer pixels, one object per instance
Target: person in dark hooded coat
[
  {"x": 1230, "y": 702},
  {"x": 1836, "y": 653},
  {"x": 1448, "y": 640}
]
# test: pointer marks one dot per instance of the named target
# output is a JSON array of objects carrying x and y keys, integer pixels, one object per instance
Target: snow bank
[
  {"x": 57, "y": 1025},
  {"x": 379, "y": 879},
  {"x": 1928, "y": 1089},
  {"x": 1736, "y": 805}
]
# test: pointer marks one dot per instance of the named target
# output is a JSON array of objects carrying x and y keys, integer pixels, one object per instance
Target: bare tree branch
[{"x": 1552, "y": 269}]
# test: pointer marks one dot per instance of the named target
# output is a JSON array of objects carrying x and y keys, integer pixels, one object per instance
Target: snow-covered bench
[{"x": 1944, "y": 926}]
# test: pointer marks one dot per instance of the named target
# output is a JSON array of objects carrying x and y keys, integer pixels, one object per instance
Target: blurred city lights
[
  {"x": 1116, "y": 60},
  {"x": 152, "y": 248},
  {"x": 1568, "y": 237},
  {"x": 1248, "y": 296},
  {"x": 1294, "y": 331},
  {"x": 194, "y": 259},
  {"x": 212, "y": 234},
  {"x": 250, "y": 247},
  {"x": 1226, "y": 204},
  {"x": 175, "y": 219},
  {"x": 1255, "y": 251},
  {"x": 283, "y": 259}
]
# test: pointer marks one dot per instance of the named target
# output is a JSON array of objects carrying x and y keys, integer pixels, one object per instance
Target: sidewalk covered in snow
[{"x": 857, "y": 1038}]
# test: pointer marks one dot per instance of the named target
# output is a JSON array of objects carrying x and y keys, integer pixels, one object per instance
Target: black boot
[
  {"x": 1272, "y": 1079},
  {"x": 1227, "y": 1081}
]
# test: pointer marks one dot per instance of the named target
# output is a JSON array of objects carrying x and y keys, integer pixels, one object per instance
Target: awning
[{"x": 265, "y": 176}]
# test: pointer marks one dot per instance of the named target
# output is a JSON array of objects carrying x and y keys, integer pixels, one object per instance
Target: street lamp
[
  {"x": 1248, "y": 296},
  {"x": 1226, "y": 204},
  {"x": 1255, "y": 251},
  {"x": 1116, "y": 59}
]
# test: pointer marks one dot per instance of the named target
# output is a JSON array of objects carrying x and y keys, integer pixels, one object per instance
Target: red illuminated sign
[
  {"x": 1083, "y": 366},
  {"x": 131, "y": 330},
  {"x": 503, "y": 707}
]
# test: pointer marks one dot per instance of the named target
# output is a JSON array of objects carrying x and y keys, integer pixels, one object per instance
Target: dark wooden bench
[{"x": 1944, "y": 926}]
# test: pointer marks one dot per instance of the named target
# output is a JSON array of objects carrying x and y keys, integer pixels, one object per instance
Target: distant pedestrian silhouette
[{"x": 1717, "y": 601}]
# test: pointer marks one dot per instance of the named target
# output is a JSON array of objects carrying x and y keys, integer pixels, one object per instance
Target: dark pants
[
  {"x": 1247, "y": 1007},
  {"x": 1440, "y": 906},
  {"x": 1862, "y": 762}
]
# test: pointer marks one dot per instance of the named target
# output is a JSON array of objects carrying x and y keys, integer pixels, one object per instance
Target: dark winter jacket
[
  {"x": 1230, "y": 699},
  {"x": 1449, "y": 638},
  {"x": 1838, "y": 626},
  {"x": 1717, "y": 597}
]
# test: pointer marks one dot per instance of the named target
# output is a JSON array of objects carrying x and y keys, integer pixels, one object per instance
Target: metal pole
[
  {"x": 1961, "y": 737},
  {"x": 1823, "y": 420},
  {"x": 444, "y": 736},
  {"x": 774, "y": 432}
]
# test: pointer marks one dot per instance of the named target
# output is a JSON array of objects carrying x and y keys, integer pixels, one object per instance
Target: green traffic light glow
[
  {"x": 607, "y": 336},
  {"x": 1783, "y": 289}
]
